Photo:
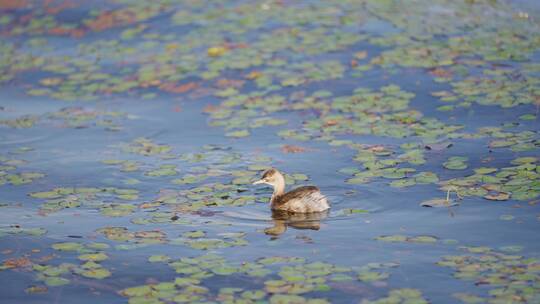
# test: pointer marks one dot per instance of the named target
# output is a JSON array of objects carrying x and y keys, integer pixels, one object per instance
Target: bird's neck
[{"x": 279, "y": 188}]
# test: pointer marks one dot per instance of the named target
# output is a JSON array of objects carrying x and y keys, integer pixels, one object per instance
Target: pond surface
[{"x": 131, "y": 131}]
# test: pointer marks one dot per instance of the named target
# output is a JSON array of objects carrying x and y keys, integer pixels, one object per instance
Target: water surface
[{"x": 130, "y": 133}]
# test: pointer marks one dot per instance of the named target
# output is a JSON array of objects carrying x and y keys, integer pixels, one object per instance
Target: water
[{"x": 222, "y": 214}]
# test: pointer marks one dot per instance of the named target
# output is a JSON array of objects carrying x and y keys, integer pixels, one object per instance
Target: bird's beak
[{"x": 258, "y": 182}]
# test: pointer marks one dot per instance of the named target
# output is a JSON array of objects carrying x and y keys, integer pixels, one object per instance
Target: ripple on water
[{"x": 260, "y": 215}]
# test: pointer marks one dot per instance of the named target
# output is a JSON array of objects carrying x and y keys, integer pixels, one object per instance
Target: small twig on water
[{"x": 448, "y": 199}]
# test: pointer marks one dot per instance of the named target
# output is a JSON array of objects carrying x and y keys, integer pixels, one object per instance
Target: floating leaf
[
  {"x": 439, "y": 202},
  {"x": 506, "y": 217},
  {"x": 240, "y": 133},
  {"x": 96, "y": 257},
  {"x": 68, "y": 246},
  {"x": 456, "y": 163},
  {"x": 36, "y": 289},
  {"x": 96, "y": 273},
  {"x": 56, "y": 281},
  {"x": 392, "y": 238},
  {"x": 158, "y": 258},
  {"x": 501, "y": 196},
  {"x": 371, "y": 276}
]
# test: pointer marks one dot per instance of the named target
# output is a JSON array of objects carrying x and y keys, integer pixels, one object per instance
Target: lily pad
[
  {"x": 68, "y": 246},
  {"x": 438, "y": 203},
  {"x": 456, "y": 163},
  {"x": 96, "y": 257},
  {"x": 96, "y": 273}
]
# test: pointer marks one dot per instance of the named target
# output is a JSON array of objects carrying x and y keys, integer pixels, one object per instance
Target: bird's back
[{"x": 303, "y": 199}]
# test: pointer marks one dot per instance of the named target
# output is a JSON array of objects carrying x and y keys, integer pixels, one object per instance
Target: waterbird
[{"x": 306, "y": 199}]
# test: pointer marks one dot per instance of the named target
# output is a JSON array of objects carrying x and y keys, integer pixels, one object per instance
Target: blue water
[{"x": 72, "y": 157}]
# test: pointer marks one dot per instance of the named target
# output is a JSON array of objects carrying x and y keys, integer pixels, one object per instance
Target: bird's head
[{"x": 271, "y": 177}]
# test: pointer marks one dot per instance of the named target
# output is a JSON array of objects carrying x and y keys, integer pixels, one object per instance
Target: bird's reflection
[{"x": 284, "y": 219}]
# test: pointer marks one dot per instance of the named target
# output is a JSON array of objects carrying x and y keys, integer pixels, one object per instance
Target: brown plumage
[
  {"x": 296, "y": 194},
  {"x": 305, "y": 199},
  {"x": 269, "y": 173}
]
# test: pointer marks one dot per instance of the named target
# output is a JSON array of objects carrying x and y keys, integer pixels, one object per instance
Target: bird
[{"x": 306, "y": 199}]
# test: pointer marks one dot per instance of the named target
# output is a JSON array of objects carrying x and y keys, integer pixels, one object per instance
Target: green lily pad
[
  {"x": 439, "y": 203},
  {"x": 506, "y": 217},
  {"x": 469, "y": 298},
  {"x": 158, "y": 258},
  {"x": 97, "y": 246},
  {"x": 456, "y": 163},
  {"x": 238, "y": 134},
  {"x": 96, "y": 257},
  {"x": 371, "y": 276},
  {"x": 68, "y": 246},
  {"x": 392, "y": 238},
  {"x": 423, "y": 239},
  {"x": 194, "y": 234},
  {"x": 56, "y": 281},
  {"x": 96, "y": 273}
]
